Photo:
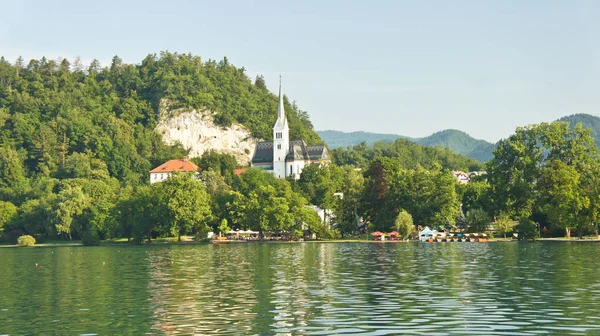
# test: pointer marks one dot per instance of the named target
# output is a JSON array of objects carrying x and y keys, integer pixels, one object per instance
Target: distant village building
[
  {"x": 464, "y": 178},
  {"x": 283, "y": 157},
  {"x": 165, "y": 170},
  {"x": 461, "y": 176},
  {"x": 325, "y": 215}
]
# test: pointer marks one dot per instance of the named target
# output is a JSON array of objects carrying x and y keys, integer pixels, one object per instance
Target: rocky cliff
[{"x": 197, "y": 132}]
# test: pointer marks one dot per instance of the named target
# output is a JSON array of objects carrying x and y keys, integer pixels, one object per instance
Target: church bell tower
[{"x": 281, "y": 139}]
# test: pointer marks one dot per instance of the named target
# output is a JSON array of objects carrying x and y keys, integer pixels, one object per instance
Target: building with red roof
[{"x": 165, "y": 170}]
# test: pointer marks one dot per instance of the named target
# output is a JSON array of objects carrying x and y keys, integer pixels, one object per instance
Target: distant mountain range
[{"x": 458, "y": 141}]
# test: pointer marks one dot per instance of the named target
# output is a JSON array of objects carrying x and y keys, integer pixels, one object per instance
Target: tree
[
  {"x": 504, "y": 224},
  {"x": 524, "y": 165},
  {"x": 527, "y": 229},
  {"x": 346, "y": 208},
  {"x": 188, "y": 204},
  {"x": 141, "y": 214},
  {"x": 377, "y": 203},
  {"x": 260, "y": 83},
  {"x": 513, "y": 171},
  {"x": 26, "y": 240},
  {"x": 461, "y": 220},
  {"x": 224, "y": 164},
  {"x": 404, "y": 224},
  {"x": 224, "y": 227},
  {"x": 13, "y": 181},
  {"x": 564, "y": 200},
  {"x": 67, "y": 206},
  {"x": 477, "y": 220},
  {"x": 477, "y": 195},
  {"x": 8, "y": 211},
  {"x": 310, "y": 219},
  {"x": 429, "y": 196}
]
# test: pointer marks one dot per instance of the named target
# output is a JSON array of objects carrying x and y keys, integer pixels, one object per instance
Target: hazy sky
[{"x": 404, "y": 67}]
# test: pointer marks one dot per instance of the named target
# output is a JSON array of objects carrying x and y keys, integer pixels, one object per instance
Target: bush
[
  {"x": 477, "y": 220},
  {"x": 26, "y": 240},
  {"x": 527, "y": 229},
  {"x": 404, "y": 224},
  {"x": 90, "y": 238}
]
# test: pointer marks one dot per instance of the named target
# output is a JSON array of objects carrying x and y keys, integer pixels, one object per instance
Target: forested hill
[
  {"x": 335, "y": 139},
  {"x": 457, "y": 141},
  {"x": 407, "y": 154},
  {"x": 587, "y": 121},
  {"x": 57, "y": 114}
]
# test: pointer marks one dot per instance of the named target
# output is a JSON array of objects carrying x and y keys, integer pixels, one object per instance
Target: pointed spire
[{"x": 281, "y": 119}]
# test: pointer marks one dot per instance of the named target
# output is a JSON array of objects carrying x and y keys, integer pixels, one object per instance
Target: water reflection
[{"x": 310, "y": 289}]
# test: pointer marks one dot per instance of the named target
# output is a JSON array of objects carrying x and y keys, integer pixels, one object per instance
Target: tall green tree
[
  {"x": 563, "y": 199},
  {"x": 187, "y": 203},
  {"x": 548, "y": 169},
  {"x": 8, "y": 212},
  {"x": 404, "y": 224}
]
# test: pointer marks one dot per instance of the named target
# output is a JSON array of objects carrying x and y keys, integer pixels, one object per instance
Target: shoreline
[{"x": 333, "y": 241}]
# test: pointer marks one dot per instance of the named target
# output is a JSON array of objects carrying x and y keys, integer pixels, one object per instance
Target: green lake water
[{"x": 303, "y": 289}]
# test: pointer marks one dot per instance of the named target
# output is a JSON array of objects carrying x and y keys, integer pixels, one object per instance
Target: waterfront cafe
[
  {"x": 242, "y": 235},
  {"x": 394, "y": 235},
  {"x": 426, "y": 234},
  {"x": 377, "y": 235}
]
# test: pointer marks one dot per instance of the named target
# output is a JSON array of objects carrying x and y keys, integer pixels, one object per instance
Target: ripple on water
[{"x": 354, "y": 288}]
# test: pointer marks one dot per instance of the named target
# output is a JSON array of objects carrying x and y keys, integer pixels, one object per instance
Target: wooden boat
[{"x": 220, "y": 240}]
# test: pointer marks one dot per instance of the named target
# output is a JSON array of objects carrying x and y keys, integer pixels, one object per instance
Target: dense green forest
[
  {"x": 408, "y": 154},
  {"x": 76, "y": 146},
  {"x": 50, "y": 110},
  {"x": 73, "y": 138}
]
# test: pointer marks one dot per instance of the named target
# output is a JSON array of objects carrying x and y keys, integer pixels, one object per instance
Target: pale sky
[{"x": 403, "y": 67}]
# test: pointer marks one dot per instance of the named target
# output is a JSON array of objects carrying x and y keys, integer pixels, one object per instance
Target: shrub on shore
[{"x": 26, "y": 240}]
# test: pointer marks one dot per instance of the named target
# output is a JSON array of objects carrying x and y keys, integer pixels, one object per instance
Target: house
[
  {"x": 283, "y": 157},
  {"x": 461, "y": 176},
  {"x": 464, "y": 178},
  {"x": 165, "y": 170},
  {"x": 325, "y": 215}
]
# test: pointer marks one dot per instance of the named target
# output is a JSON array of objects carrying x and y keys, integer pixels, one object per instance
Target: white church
[{"x": 283, "y": 157}]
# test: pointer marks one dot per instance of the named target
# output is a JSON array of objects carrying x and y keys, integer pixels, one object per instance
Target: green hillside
[
  {"x": 335, "y": 139},
  {"x": 588, "y": 121},
  {"x": 457, "y": 141},
  {"x": 406, "y": 153},
  {"x": 55, "y": 112}
]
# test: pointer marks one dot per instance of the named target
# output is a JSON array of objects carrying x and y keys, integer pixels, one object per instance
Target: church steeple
[
  {"x": 281, "y": 118},
  {"x": 281, "y": 139}
]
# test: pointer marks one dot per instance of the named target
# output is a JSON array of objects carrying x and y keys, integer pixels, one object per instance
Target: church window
[
  {"x": 278, "y": 146},
  {"x": 291, "y": 169}
]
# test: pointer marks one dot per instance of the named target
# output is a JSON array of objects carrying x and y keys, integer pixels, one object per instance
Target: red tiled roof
[
  {"x": 240, "y": 171},
  {"x": 181, "y": 165}
]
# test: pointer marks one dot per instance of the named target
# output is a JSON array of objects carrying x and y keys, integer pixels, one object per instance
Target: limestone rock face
[{"x": 197, "y": 132}]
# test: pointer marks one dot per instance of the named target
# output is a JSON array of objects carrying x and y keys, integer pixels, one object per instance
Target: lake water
[{"x": 502, "y": 288}]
